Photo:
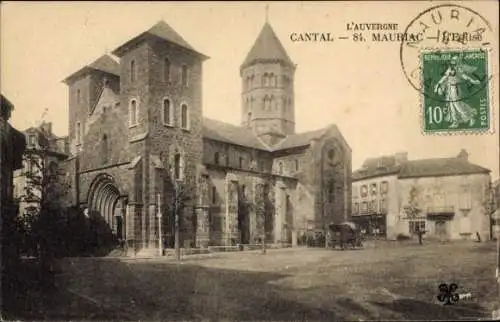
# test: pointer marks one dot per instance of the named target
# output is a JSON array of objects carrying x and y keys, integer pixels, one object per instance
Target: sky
[{"x": 360, "y": 87}]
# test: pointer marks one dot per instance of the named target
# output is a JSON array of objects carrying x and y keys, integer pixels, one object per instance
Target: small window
[
  {"x": 364, "y": 191},
  {"x": 133, "y": 112},
  {"x": 78, "y": 133},
  {"x": 78, "y": 96},
  {"x": 167, "y": 112},
  {"x": 32, "y": 139},
  {"x": 132, "y": 71},
  {"x": 372, "y": 206},
  {"x": 280, "y": 167},
  {"x": 184, "y": 76},
  {"x": 166, "y": 69},
  {"x": 331, "y": 154},
  {"x": 216, "y": 158},
  {"x": 264, "y": 80},
  {"x": 214, "y": 195},
  {"x": 241, "y": 162},
  {"x": 416, "y": 226},
  {"x": 373, "y": 189},
  {"x": 178, "y": 166},
  {"x": 184, "y": 116}
]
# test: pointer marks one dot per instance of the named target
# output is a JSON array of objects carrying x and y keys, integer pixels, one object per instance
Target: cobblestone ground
[{"x": 382, "y": 282}]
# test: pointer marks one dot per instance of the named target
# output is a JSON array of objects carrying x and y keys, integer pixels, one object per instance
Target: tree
[
  {"x": 181, "y": 199},
  {"x": 43, "y": 223}
]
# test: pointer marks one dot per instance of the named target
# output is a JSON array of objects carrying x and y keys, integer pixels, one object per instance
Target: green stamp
[{"x": 455, "y": 91}]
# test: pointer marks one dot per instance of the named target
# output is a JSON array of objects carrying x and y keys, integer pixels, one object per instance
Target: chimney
[
  {"x": 401, "y": 157},
  {"x": 463, "y": 155},
  {"x": 47, "y": 127}
]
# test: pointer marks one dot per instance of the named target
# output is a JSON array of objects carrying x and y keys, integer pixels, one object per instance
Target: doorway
[{"x": 441, "y": 229}]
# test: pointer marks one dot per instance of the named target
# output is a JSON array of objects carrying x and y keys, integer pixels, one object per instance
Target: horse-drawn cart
[{"x": 344, "y": 235}]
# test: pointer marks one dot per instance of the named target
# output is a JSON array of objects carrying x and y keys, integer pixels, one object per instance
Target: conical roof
[{"x": 267, "y": 47}]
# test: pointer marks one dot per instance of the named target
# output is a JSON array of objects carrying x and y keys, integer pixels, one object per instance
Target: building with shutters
[
  {"x": 448, "y": 198},
  {"x": 44, "y": 154},
  {"x": 137, "y": 135}
]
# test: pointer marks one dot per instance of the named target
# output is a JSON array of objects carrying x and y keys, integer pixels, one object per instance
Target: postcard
[{"x": 277, "y": 161}]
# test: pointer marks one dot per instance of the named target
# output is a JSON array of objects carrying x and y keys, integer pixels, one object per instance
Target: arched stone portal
[{"x": 105, "y": 201}]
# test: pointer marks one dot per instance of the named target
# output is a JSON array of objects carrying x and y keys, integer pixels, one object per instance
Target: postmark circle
[{"x": 453, "y": 33}]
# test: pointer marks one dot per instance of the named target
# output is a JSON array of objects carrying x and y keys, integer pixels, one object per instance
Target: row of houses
[{"x": 448, "y": 198}]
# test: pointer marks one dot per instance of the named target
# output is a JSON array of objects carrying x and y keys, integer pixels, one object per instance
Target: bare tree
[{"x": 181, "y": 199}]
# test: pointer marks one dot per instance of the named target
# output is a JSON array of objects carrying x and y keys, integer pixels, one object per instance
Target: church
[{"x": 145, "y": 159}]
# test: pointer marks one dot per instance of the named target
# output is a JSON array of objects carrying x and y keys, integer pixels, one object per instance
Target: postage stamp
[
  {"x": 449, "y": 65},
  {"x": 455, "y": 94}
]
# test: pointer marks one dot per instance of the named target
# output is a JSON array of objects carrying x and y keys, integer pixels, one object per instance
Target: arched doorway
[{"x": 106, "y": 205}]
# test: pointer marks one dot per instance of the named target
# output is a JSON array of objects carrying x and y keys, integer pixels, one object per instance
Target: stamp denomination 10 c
[{"x": 455, "y": 96}]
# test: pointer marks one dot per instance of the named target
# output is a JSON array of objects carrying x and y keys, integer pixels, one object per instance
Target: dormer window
[
  {"x": 184, "y": 76},
  {"x": 132, "y": 71}
]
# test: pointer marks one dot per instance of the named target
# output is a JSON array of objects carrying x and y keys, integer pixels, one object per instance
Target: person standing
[{"x": 419, "y": 233}]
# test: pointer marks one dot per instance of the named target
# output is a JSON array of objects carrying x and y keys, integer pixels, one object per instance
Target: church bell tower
[{"x": 267, "y": 94}]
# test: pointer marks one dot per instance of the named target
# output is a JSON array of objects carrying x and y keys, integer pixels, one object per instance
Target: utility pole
[{"x": 160, "y": 236}]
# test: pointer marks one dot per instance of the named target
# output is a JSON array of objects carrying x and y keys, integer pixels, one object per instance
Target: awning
[{"x": 440, "y": 216}]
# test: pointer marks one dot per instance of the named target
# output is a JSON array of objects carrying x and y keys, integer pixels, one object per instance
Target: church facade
[{"x": 143, "y": 157}]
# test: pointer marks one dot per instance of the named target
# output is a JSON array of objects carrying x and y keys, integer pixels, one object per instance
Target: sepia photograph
[{"x": 258, "y": 161}]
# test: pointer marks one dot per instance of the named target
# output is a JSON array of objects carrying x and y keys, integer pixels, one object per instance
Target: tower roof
[
  {"x": 267, "y": 47},
  {"x": 161, "y": 30},
  {"x": 104, "y": 63}
]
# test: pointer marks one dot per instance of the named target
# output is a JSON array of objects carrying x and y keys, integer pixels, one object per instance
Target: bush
[
  {"x": 402, "y": 237},
  {"x": 64, "y": 233}
]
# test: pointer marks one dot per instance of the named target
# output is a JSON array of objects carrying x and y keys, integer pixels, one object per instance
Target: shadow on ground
[{"x": 108, "y": 289}]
